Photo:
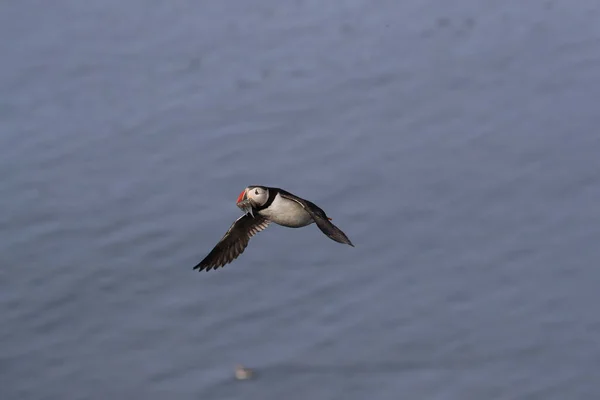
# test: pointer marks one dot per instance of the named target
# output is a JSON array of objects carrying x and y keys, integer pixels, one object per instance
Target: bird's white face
[
  {"x": 257, "y": 195},
  {"x": 252, "y": 196}
]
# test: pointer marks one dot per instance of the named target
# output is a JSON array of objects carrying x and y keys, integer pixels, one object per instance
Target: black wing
[
  {"x": 320, "y": 218},
  {"x": 234, "y": 242}
]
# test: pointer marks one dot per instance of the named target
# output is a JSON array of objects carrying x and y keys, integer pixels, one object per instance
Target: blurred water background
[{"x": 456, "y": 143}]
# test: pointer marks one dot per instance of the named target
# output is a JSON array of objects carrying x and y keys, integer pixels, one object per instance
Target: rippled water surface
[{"x": 456, "y": 143}]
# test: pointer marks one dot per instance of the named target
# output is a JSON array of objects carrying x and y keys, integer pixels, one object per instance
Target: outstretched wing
[
  {"x": 234, "y": 242},
  {"x": 320, "y": 218}
]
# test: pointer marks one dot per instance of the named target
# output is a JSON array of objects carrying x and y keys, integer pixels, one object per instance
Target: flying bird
[{"x": 263, "y": 205}]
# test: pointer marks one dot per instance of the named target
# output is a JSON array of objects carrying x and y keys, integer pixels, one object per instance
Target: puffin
[{"x": 263, "y": 205}]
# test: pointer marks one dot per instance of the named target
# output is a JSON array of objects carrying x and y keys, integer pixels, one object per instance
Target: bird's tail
[{"x": 332, "y": 231}]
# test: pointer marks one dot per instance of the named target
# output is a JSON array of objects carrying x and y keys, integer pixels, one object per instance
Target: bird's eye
[{"x": 256, "y": 191}]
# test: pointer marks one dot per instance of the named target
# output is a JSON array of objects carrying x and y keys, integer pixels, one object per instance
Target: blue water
[{"x": 456, "y": 144}]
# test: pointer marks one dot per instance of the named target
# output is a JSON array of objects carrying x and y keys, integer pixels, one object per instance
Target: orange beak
[{"x": 241, "y": 197}]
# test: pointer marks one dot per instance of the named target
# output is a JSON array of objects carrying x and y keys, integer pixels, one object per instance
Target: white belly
[{"x": 287, "y": 213}]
